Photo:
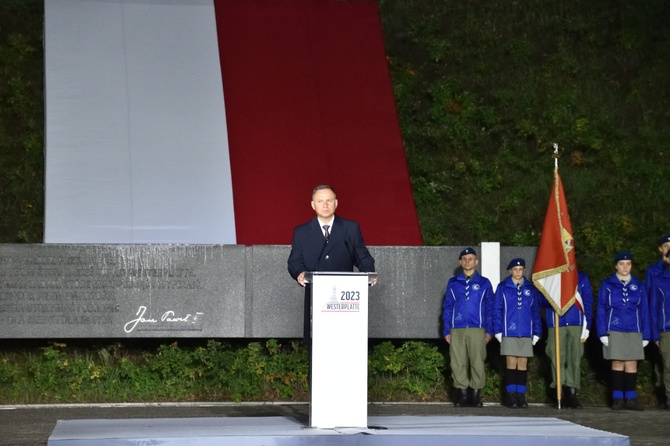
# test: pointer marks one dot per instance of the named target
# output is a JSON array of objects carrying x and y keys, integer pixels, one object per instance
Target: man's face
[
  {"x": 517, "y": 272},
  {"x": 623, "y": 267},
  {"x": 664, "y": 248},
  {"x": 469, "y": 263},
  {"x": 324, "y": 203}
]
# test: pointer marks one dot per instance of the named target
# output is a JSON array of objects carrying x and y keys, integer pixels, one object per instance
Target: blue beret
[
  {"x": 623, "y": 255},
  {"x": 467, "y": 251},
  {"x": 516, "y": 262},
  {"x": 664, "y": 239}
]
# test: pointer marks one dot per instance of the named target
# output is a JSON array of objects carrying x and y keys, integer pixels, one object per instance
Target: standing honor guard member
[
  {"x": 660, "y": 323},
  {"x": 468, "y": 327},
  {"x": 622, "y": 319},
  {"x": 518, "y": 327},
  {"x": 657, "y": 268},
  {"x": 573, "y": 331},
  {"x": 654, "y": 270}
]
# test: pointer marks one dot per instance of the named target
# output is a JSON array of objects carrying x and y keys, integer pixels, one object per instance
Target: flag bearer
[{"x": 573, "y": 330}]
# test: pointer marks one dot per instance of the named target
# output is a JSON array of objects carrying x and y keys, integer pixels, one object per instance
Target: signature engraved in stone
[{"x": 167, "y": 317}]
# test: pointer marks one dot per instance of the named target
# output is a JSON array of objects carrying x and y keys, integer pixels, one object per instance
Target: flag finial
[{"x": 555, "y": 156}]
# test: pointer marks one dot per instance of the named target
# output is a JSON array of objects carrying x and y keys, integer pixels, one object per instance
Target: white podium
[{"x": 339, "y": 385}]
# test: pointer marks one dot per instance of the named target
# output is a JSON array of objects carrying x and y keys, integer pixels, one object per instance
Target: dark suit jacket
[
  {"x": 344, "y": 250},
  {"x": 310, "y": 252}
]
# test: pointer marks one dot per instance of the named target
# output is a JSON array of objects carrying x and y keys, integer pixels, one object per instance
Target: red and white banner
[
  {"x": 142, "y": 147},
  {"x": 555, "y": 270}
]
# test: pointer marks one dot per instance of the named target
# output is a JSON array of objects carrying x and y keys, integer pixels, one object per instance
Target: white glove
[
  {"x": 585, "y": 335},
  {"x": 645, "y": 343},
  {"x": 499, "y": 337},
  {"x": 585, "y": 332},
  {"x": 535, "y": 339},
  {"x": 605, "y": 340}
]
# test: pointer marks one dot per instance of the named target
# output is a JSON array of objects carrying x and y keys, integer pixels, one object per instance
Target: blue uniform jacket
[
  {"x": 468, "y": 304},
  {"x": 623, "y": 308},
  {"x": 516, "y": 313},
  {"x": 654, "y": 270},
  {"x": 574, "y": 316},
  {"x": 660, "y": 304}
]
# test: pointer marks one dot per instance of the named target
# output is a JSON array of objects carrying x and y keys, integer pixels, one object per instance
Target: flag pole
[
  {"x": 557, "y": 342},
  {"x": 557, "y": 337}
]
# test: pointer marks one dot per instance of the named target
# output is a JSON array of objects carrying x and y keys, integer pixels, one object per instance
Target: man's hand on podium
[{"x": 301, "y": 280}]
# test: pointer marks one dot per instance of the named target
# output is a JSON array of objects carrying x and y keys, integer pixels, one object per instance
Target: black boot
[
  {"x": 565, "y": 398},
  {"x": 660, "y": 396},
  {"x": 462, "y": 398},
  {"x": 571, "y": 398},
  {"x": 521, "y": 401},
  {"x": 475, "y": 401},
  {"x": 510, "y": 399},
  {"x": 630, "y": 397},
  {"x": 633, "y": 404}
]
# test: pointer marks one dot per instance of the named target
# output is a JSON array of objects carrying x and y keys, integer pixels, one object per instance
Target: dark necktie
[{"x": 325, "y": 231}]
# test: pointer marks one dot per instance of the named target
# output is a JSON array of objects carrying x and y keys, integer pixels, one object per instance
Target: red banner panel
[{"x": 309, "y": 101}]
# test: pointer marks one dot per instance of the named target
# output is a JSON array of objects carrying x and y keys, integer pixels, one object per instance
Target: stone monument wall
[{"x": 205, "y": 291}]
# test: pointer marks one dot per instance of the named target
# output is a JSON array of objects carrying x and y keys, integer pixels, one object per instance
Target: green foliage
[
  {"x": 262, "y": 371},
  {"x": 412, "y": 371},
  {"x": 483, "y": 89},
  {"x": 21, "y": 121},
  {"x": 254, "y": 371}
]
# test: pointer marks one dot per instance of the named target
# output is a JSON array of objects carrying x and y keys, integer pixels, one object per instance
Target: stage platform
[{"x": 285, "y": 431}]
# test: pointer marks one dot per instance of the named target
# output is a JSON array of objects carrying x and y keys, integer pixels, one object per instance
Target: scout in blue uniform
[
  {"x": 517, "y": 326},
  {"x": 468, "y": 327},
  {"x": 660, "y": 325},
  {"x": 653, "y": 271},
  {"x": 573, "y": 330},
  {"x": 622, "y": 318}
]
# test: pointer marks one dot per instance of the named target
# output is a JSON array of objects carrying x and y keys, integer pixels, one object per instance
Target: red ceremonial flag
[{"x": 555, "y": 269}]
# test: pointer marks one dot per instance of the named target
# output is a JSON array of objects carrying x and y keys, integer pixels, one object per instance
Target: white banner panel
[{"x": 136, "y": 140}]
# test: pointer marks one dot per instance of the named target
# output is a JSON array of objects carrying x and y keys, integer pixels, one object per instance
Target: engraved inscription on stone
[
  {"x": 121, "y": 289},
  {"x": 37, "y": 290}
]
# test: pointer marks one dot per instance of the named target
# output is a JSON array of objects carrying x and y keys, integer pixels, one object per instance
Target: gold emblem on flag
[{"x": 568, "y": 240}]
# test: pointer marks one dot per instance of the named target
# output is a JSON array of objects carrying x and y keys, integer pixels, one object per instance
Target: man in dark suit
[{"x": 326, "y": 243}]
